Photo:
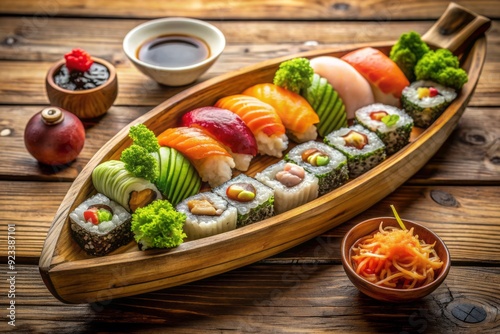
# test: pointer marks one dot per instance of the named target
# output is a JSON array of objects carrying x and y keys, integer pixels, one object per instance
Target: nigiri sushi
[
  {"x": 228, "y": 129},
  {"x": 295, "y": 112},
  {"x": 352, "y": 87},
  {"x": 212, "y": 161},
  {"x": 262, "y": 119},
  {"x": 386, "y": 79}
]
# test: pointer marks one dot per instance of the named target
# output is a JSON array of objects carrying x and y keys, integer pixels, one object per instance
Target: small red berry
[{"x": 78, "y": 60}]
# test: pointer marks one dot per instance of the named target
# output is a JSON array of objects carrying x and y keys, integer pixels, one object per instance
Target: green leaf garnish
[
  {"x": 390, "y": 120},
  {"x": 400, "y": 222}
]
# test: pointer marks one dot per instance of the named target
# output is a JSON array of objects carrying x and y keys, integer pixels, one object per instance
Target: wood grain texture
[
  {"x": 304, "y": 288},
  {"x": 65, "y": 267},
  {"x": 261, "y": 298},
  {"x": 23, "y": 71},
  {"x": 233, "y": 9}
]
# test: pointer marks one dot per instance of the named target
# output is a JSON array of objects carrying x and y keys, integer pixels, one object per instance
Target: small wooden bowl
[
  {"x": 85, "y": 104},
  {"x": 386, "y": 294}
]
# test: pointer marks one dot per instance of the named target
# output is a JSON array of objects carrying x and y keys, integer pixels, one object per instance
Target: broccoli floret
[
  {"x": 407, "y": 51},
  {"x": 294, "y": 74},
  {"x": 443, "y": 67},
  {"x": 144, "y": 137},
  {"x": 140, "y": 162},
  {"x": 158, "y": 225},
  {"x": 137, "y": 157}
]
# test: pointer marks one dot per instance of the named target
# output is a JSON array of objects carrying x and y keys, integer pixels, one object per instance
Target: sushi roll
[
  {"x": 391, "y": 124},
  {"x": 292, "y": 185},
  {"x": 297, "y": 115},
  {"x": 100, "y": 225},
  {"x": 112, "y": 180},
  {"x": 325, "y": 162},
  {"x": 263, "y": 121},
  {"x": 228, "y": 129},
  {"x": 363, "y": 149},
  {"x": 425, "y": 101},
  {"x": 207, "y": 214},
  {"x": 253, "y": 200}
]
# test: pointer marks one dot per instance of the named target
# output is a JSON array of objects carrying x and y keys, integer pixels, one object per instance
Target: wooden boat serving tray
[{"x": 75, "y": 277}]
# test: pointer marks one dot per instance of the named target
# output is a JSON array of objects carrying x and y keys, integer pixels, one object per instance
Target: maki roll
[
  {"x": 207, "y": 214},
  {"x": 100, "y": 225},
  {"x": 325, "y": 162},
  {"x": 114, "y": 181},
  {"x": 392, "y": 125},
  {"x": 425, "y": 101},
  {"x": 253, "y": 200},
  {"x": 292, "y": 185},
  {"x": 363, "y": 149}
]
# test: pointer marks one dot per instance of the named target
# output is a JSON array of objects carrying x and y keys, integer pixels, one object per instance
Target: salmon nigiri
[
  {"x": 212, "y": 161},
  {"x": 295, "y": 112},
  {"x": 262, "y": 119},
  {"x": 386, "y": 79}
]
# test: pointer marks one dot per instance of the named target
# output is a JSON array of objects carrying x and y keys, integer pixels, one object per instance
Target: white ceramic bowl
[{"x": 174, "y": 76}]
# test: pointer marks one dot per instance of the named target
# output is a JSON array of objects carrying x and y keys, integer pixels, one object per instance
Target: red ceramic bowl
[{"x": 386, "y": 294}]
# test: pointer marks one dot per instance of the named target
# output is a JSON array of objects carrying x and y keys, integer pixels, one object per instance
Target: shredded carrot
[{"x": 395, "y": 258}]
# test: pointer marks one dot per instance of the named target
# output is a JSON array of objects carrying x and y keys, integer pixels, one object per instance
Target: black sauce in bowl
[{"x": 95, "y": 76}]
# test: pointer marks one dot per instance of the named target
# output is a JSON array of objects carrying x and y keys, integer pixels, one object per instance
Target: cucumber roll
[
  {"x": 362, "y": 148},
  {"x": 425, "y": 101},
  {"x": 207, "y": 214},
  {"x": 113, "y": 180},
  {"x": 253, "y": 200},
  {"x": 292, "y": 185},
  {"x": 392, "y": 125},
  {"x": 100, "y": 225},
  {"x": 325, "y": 162}
]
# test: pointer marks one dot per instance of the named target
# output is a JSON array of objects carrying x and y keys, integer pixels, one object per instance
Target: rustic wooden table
[{"x": 457, "y": 193}]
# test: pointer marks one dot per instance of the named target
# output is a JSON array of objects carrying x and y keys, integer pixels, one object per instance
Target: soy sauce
[{"x": 173, "y": 51}]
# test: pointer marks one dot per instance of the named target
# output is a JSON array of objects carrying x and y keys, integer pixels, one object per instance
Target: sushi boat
[{"x": 73, "y": 276}]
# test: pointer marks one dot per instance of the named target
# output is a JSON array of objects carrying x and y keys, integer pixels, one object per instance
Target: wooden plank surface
[
  {"x": 262, "y": 299},
  {"x": 299, "y": 290},
  {"x": 22, "y": 71},
  {"x": 257, "y": 9}
]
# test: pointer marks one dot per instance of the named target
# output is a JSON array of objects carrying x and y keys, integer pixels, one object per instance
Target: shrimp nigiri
[
  {"x": 386, "y": 79},
  {"x": 295, "y": 112},
  {"x": 262, "y": 119},
  {"x": 212, "y": 161}
]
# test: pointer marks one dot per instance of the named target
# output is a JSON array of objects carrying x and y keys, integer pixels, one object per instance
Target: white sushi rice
[
  {"x": 120, "y": 215},
  {"x": 446, "y": 95},
  {"x": 216, "y": 170},
  {"x": 263, "y": 193},
  {"x": 287, "y": 198},
  {"x": 363, "y": 117},
  {"x": 336, "y": 140},
  {"x": 200, "y": 226},
  {"x": 271, "y": 145},
  {"x": 241, "y": 161}
]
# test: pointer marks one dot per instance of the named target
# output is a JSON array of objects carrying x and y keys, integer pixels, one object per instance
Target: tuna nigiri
[
  {"x": 263, "y": 121},
  {"x": 384, "y": 75},
  {"x": 228, "y": 129},
  {"x": 212, "y": 161},
  {"x": 295, "y": 112},
  {"x": 354, "y": 90}
]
